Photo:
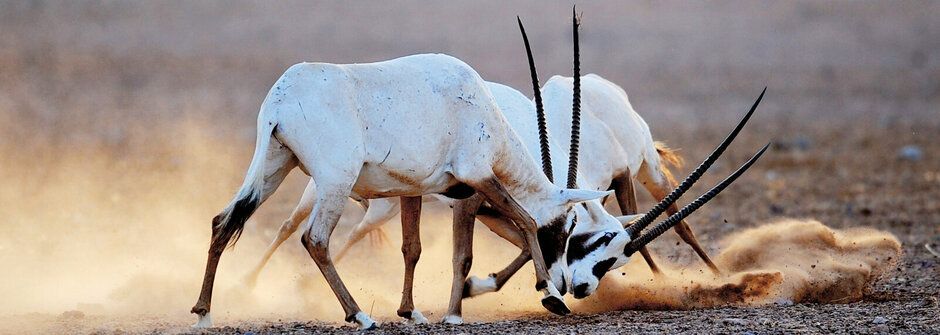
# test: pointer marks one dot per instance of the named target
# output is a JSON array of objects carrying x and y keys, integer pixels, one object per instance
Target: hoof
[
  {"x": 417, "y": 318},
  {"x": 475, "y": 286},
  {"x": 365, "y": 322},
  {"x": 555, "y": 305},
  {"x": 205, "y": 321},
  {"x": 452, "y": 320}
]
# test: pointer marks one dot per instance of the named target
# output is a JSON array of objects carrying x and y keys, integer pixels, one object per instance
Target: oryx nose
[{"x": 580, "y": 291}]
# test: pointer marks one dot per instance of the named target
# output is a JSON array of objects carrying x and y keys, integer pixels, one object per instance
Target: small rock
[
  {"x": 783, "y": 302},
  {"x": 879, "y": 320},
  {"x": 799, "y": 143},
  {"x": 911, "y": 153},
  {"x": 735, "y": 322},
  {"x": 771, "y": 175}
]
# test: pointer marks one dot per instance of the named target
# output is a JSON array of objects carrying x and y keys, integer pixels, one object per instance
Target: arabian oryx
[
  {"x": 591, "y": 241},
  {"x": 406, "y": 127},
  {"x": 649, "y": 161}
]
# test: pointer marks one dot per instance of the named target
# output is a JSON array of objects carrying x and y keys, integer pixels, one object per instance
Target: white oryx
[
  {"x": 406, "y": 127},
  {"x": 615, "y": 132},
  {"x": 612, "y": 129}
]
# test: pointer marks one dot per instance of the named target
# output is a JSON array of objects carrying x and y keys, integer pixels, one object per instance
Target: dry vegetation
[{"x": 124, "y": 126}]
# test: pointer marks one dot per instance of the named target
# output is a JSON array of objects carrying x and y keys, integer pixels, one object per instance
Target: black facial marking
[
  {"x": 541, "y": 285},
  {"x": 578, "y": 247},
  {"x": 580, "y": 291},
  {"x": 552, "y": 239},
  {"x": 601, "y": 268}
]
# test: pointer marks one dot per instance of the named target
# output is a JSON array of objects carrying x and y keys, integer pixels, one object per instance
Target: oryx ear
[
  {"x": 627, "y": 220},
  {"x": 576, "y": 196}
]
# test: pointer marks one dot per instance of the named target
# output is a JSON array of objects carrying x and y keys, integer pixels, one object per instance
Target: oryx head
[
  {"x": 591, "y": 240},
  {"x": 596, "y": 250}
]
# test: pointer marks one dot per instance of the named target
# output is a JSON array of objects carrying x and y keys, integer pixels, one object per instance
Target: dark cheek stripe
[
  {"x": 601, "y": 268},
  {"x": 552, "y": 239},
  {"x": 578, "y": 248}
]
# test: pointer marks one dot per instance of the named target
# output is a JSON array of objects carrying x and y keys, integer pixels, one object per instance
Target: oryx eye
[{"x": 605, "y": 240}]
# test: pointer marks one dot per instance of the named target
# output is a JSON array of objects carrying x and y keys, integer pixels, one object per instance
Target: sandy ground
[{"x": 825, "y": 180}]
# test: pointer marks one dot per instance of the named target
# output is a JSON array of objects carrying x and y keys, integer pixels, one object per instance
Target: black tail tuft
[{"x": 227, "y": 230}]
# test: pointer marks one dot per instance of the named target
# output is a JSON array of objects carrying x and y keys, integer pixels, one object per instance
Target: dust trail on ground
[{"x": 784, "y": 262}]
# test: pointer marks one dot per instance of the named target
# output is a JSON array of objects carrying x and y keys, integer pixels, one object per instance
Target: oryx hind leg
[
  {"x": 625, "y": 194},
  {"x": 331, "y": 199},
  {"x": 411, "y": 250},
  {"x": 288, "y": 227},
  {"x": 270, "y": 164},
  {"x": 659, "y": 187}
]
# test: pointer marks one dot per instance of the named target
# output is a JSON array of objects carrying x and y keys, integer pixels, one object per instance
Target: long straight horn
[
  {"x": 539, "y": 110},
  {"x": 575, "y": 108},
  {"x": 694, "y": 176},
  {"x": 662, "y": 227}
]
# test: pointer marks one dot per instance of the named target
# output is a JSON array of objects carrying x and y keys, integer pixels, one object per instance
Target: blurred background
[{"x": 126, "y": 125}]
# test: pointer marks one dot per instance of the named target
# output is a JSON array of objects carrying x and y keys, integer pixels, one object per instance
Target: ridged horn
[
  {"x": 575, "y": 107},
  {"x": 653, "y": 213},
  {"x": 671, "y": 221},
  {"x": 539, "y": 110}
]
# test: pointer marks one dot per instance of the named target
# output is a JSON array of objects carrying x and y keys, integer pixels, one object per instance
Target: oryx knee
[
  {"x": 411, "y": 252},
  {"x": 318, "y": 247}
]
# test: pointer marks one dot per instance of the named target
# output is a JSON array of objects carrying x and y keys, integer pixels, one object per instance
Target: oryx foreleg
[
  {"x": 411, "y": 250},
  {"x": 464, "y": 217},
  {"x": 500, "y": 225},
  {"x": 497, "y": 196}
]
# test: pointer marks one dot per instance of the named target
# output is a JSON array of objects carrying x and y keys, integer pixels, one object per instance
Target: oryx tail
[{"x": 270, "y": 163}]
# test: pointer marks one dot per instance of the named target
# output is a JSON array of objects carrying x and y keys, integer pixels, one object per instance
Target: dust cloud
[
  {"x": 121, "y": 236},
  {"x": 785, "y": 262}
]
